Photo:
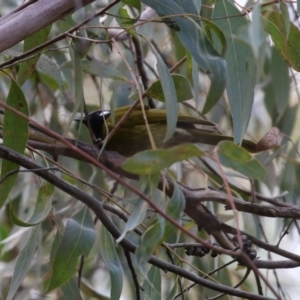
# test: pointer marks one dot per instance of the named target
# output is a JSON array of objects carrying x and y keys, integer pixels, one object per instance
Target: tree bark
[{"x": 23, "y": 22}]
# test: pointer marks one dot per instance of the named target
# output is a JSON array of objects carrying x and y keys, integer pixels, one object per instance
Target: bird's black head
[{"x": 97, "y": 119}]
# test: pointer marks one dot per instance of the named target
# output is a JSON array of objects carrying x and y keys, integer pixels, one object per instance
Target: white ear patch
[{"x": 103, "y": 113}]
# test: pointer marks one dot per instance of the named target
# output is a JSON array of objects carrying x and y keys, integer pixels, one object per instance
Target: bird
[{"x": 132, "y": 136}]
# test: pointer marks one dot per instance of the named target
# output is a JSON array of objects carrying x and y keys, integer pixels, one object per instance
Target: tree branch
[{"x": 97, "y": 208}]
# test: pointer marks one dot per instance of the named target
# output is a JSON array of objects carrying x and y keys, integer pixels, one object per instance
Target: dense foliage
[{"x": 187, "y": 222}]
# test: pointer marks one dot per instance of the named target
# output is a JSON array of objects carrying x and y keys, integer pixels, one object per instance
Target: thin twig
[{"x": 133, "y": 274}]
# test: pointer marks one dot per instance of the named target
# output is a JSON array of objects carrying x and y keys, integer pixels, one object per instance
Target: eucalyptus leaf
[
  {"x": 152, "y": 284},
  {"x": 151, "y": 238},
  {"x": 23, "y": 263},
  {"x": 169, "y": 92},
  {"x": 102, "y": 69},
  {"x": 182, "y": 88},
  {"x": 134, "y": 3},
  {"x": 237, "y": 158},
  {"x": 174, "y": 209},
  {"x": 111, "y": 260},
  {"x": 42, "y": 207},
  {"x": 240, "y": 64},
  {"x": 50, "y": 67},
  {"x": 28, "y": 66},
  {"x": 136, "y": 218},
  {"x": 194, "y": 38},
  {"x": 70, "y": 290},
  {"x": 288, "y": 43},
  {"x": 15, "y": 135},
  {"x": 78, "y": 239},
  {"x": 153, "y": 161}
]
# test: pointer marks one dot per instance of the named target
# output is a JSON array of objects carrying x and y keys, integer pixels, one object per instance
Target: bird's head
[{"x": 97, "y": 119}]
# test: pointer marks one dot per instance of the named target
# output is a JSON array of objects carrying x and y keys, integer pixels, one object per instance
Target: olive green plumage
[{"x": 132, "y": 136}]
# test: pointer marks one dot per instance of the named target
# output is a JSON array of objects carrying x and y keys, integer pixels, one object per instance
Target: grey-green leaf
[
  {"x": 152, "y": 284},
  {"x": 237, "y": 158},
  {"x": 50, "y": 67},
  {"x": 194, "y": 38},
  {"x": 78, "y": 239},
  {"x": 111, "y": 260},
  {"x": 170, "y": 96},
  {"x": 182, "y": 88},
  {"x": 102, "y": 69},
  {"x": 15, "y": 135},
  {"x": 240, "y": 65},
  {"x": 23, "y": 262},
  {"x": 153, "y": 161},
  {"x": 136, "y": 218}
]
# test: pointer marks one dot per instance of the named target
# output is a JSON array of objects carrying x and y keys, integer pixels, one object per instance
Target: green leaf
[
  {"x": 78, "y": 79},
  {"x": 237, "y": 158},
  {"x": 23, "y": 262},
  {"x": 174, "y": 209},
  {"x": 102, "y": 69},
  {"x": 151, "y": 238},
  {"x": 124, "y": 19},
  {"x": 152, "y": 284},
  {"x": 49, "y": 67},
  {"x": 136, "y": 218},
  {"x": 196, "y": 84},
  {"x": 111, "y": 260},
  {"x": 194, "y": 38},
  {"x": 15, "y": 135},
  {"x": 27, "y": 67},
  {"x": 210, "y": 28},
  {"x": 134, "y": 3},
  {"x": 70, "y": 290},
  {"x": 288, "y": 43},
  {"x": 78, "y": 239},
  {"x": 153, "y": 161},
  {"x": 169, "y": 94},
  {"x": 256, "y": 34},
  {"x": 173, "y": 292},
  {"x": 182, "y": 87},
  {"x": 42, "y": 207},
  {"x": 279, "y": 86},
  {"x": 240, "y": 65},
  {"x": 285, "y": 16}
]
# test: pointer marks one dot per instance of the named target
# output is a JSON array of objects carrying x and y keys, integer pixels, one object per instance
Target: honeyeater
[{"x": 133, "y": 137}]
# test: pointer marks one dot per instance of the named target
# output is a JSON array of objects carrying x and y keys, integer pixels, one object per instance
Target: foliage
[{"x": 76, "y": 220}]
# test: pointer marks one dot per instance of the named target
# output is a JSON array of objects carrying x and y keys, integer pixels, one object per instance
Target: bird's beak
[{"x": 80, "y": 118}]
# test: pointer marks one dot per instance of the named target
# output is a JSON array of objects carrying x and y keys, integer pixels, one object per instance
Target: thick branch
[{"x": 19, "y": 25}]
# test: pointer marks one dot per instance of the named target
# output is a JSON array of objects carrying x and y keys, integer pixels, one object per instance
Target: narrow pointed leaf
[
  {"x": 238, "y": 159},
  {"x": 70, "y": 290},
  {"x": 102, "y": 69},
  {"x": 23, "y": 263},
  {"x": 169, "y": 92},
  {"x": 175, "y": 208},
  {"x": 78, "y": 239},
  {"x": 27, "y": 67},
  {"x": 136, "y": 218},
  {"x": 150, "y": 240},
  {"x": 50, "y": 67},
  {"x": 42, "y": 207},
  {"x": 240, "y": 66},
  {"x": 182, "y": 87},
  {"x": 111, "y": 260},
  {"x": 286, "y": 42},
  {"x": 153, "y": 161},
  {"x": 15, "y": 135},
  {"x": 192, "y": 35},
  {"x": 152, "y": 284}
]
